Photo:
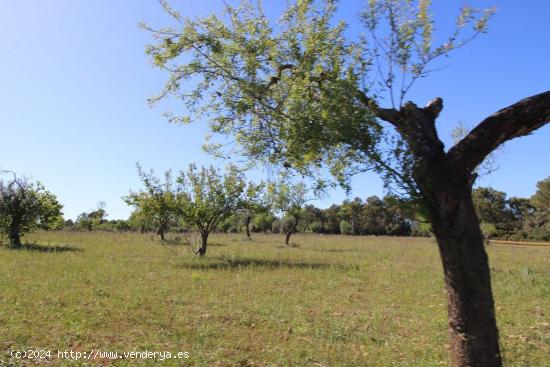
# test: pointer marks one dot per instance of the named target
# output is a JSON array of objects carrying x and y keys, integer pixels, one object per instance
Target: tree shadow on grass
[
  {"x": 34, "y": 247},
  {"x": 334, "y": 250},
  {"x": 179, "y": 242},
  {"x": 225, "y": 264},
  {"x": 216, "y": 244}
]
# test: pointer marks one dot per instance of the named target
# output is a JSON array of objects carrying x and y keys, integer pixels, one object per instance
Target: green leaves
[
  {"x": 200, "y": 197},
  {"x": 157, "y": 203},
  {"x": 26, "y": 206},
  {"x": 285, "y": 92},
  {"x": 297, "y": 92},
  {"x": 205, "y": 196},
  {"x": 287, "y": 197},
  {"x": 50, "y": 215},
  {"x": 541, "y": 198}
]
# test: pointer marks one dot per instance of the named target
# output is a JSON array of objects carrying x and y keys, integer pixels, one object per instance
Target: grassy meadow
[{"x": 326, "y": 301}]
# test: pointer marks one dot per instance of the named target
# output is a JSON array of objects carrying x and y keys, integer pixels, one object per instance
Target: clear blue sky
[{"x": 74, "y": 82}]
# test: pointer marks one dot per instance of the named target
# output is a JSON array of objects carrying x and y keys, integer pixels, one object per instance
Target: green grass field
[{"x": 328, "y": 301}]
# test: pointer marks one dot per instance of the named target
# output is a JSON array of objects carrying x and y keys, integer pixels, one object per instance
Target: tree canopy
[
  {"x": 288, "y": 198},
  {"x": 297, "y": 92},
  {"x": 156, "y": 204},
  {"x": 25, "y": 206},
  {"x": 205, "y": 197},
  {"x": 300, "y": 94}
]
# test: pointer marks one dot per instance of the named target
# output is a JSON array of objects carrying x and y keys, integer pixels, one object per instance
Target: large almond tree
[{"x": 300, "y": 93}]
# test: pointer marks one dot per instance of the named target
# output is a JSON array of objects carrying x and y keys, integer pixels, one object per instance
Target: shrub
[{"x": 345, "y": 227}]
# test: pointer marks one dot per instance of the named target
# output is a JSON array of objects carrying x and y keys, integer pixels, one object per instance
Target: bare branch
[
  {"x": 390, "y": 115},
  {"x": 434, "y": 107},
  {"x": 13, "y": 173}
]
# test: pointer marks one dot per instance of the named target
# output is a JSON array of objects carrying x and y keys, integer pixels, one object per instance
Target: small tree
[
  {"x": 205, "y": 197},
  {"x": 345, "y": 227},
  {"x": 99, "y": 215},
  {"x": 289, "y": 199},
  {"x": 93, "y": 218},
  {"x": 263, "y": 222},
  {"x": 26, "y": 206},
  {"x": 255, "y": 202},
  {"x": 83, "y": 221},
  {"x": 139, "y": 221},
  {"x": 156, "y": 205}
]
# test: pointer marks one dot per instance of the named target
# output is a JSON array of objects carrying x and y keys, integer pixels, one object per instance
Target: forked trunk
[
  {"x": 445, "y": 179},
  {"x": 447, "y": 189},
  {"x": 204, "y": 240},
  {"x": 290, "y": 231},
  {"x": 472, "y": 323}
]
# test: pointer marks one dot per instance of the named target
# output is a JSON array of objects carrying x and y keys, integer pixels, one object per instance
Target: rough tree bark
[
  {"x": 160, "y": 232},
  {"x": 472, "y": 324},
  {"x": 204, "y": 240},
  {"x": 445, "y": 181},
  {"x": 290, "y": 231},
  {"x": 15, "y": 236},
  {"x": 247, "y": 226}
]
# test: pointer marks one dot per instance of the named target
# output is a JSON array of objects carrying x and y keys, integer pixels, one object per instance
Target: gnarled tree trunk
[
  {"x": 204, "y": 240},
  {"x": 445, "y": 181},
  {"x": 15, "y": 236},
  {"x": 472, "y": 322},
  {"x": 247, "y": 226},
  {"x": 160, "y": 232},
  {"x": 290, "y": 231}
]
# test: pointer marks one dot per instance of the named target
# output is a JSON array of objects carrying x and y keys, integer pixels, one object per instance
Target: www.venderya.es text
[{"x": 95, "y": 354}]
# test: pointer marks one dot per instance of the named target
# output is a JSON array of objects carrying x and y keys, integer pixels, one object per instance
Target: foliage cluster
[
  {"x": 514, "y": 218},
  {"x": 25, "y": 206},
  {"x": 200, "y": 198}
]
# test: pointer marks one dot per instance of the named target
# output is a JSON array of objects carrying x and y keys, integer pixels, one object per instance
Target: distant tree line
[
  {"x": 514, "y": 218},
  {"x": 374, "y": 216},
  {"x": 282, "y": 208},
  {"x": 209, "y": 201}
]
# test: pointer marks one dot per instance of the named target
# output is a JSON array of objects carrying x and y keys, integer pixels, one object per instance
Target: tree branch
[
  {"x": 514, "y": 121},
  {"x": 434, "y": 107},
  {"x": 390, "y": 115},
  {"x": 275, "y": 79}
]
